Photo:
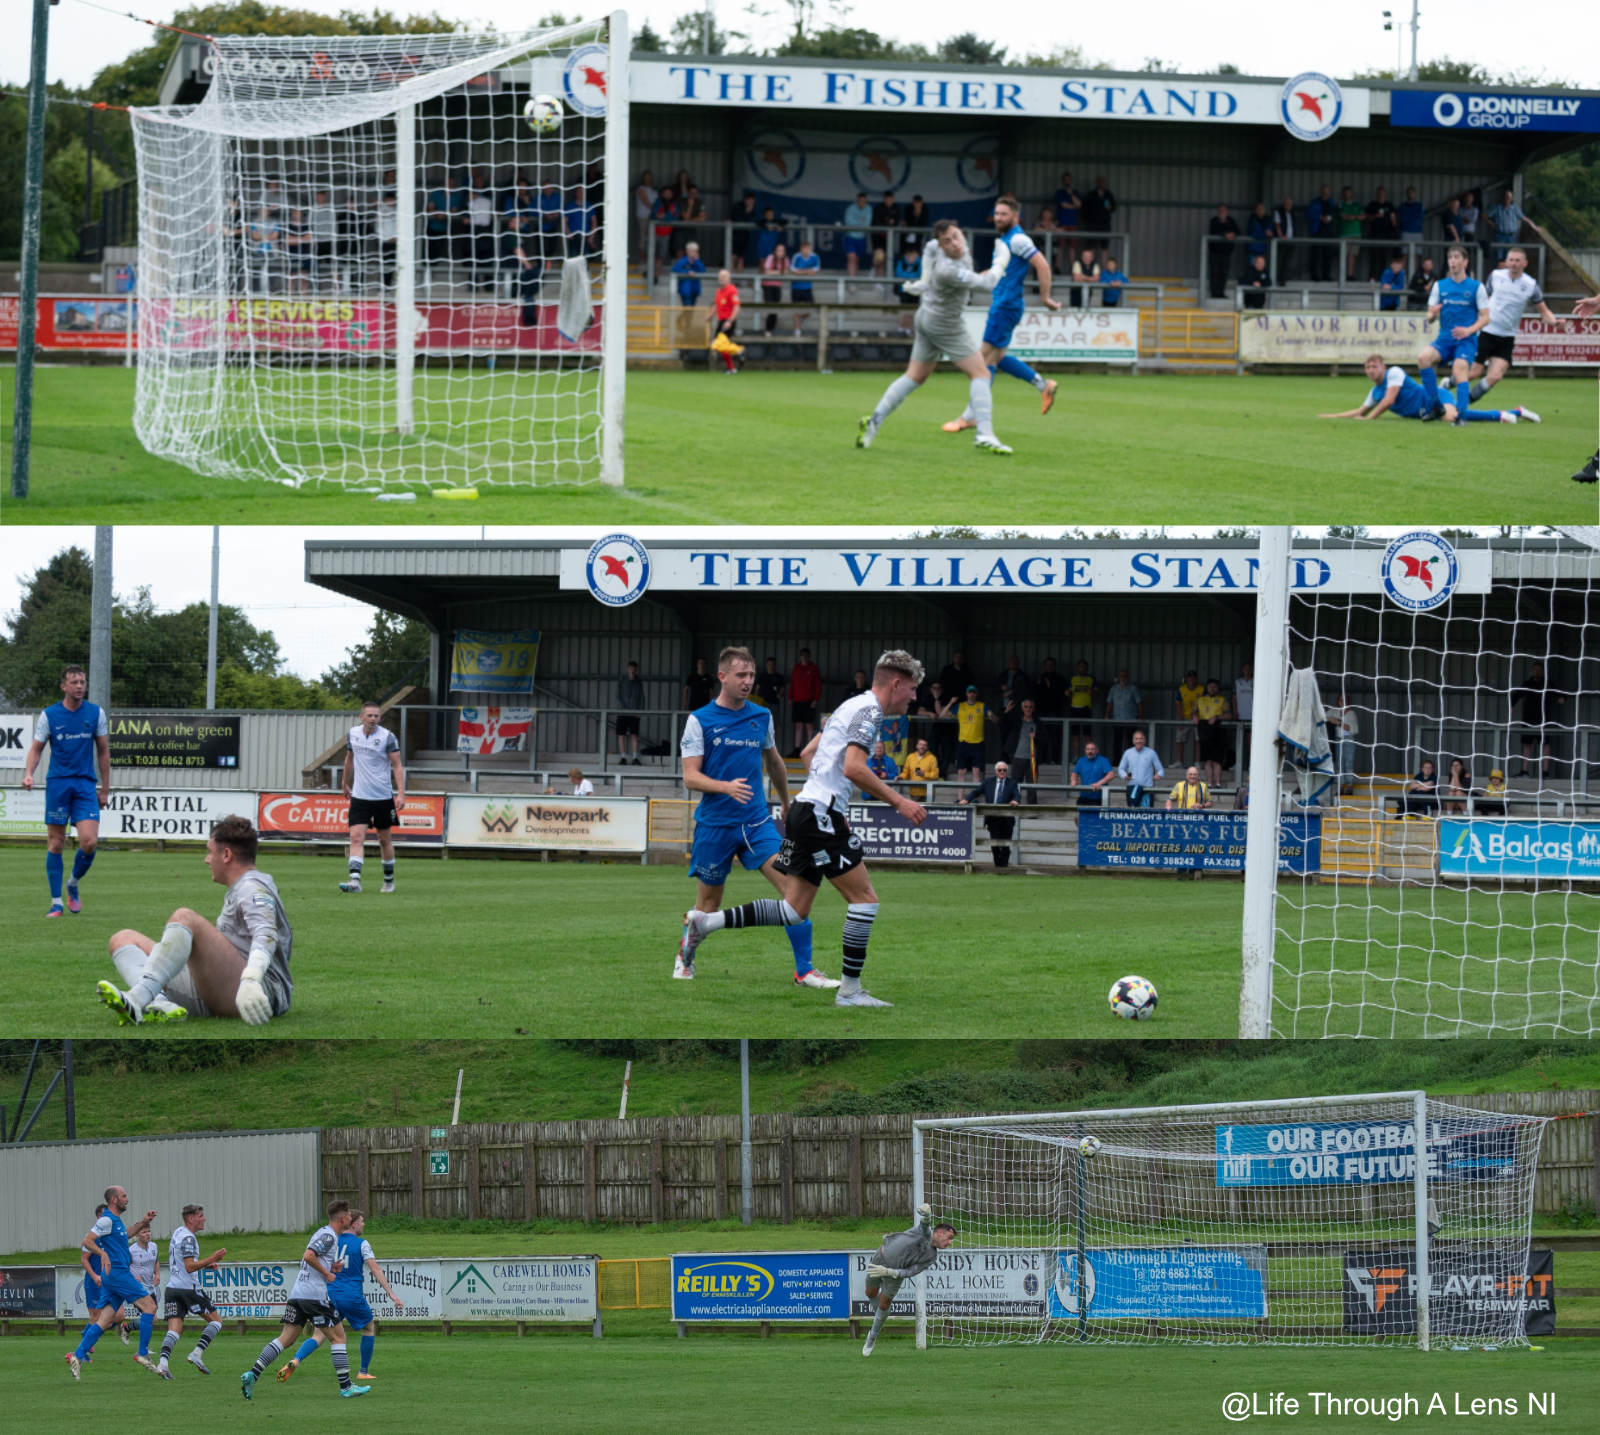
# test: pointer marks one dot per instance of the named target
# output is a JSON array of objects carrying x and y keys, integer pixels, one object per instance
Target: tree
[
  {"x": 691, "y": 34},
  {"x": 967, "y": 49},
  {"x": 238, "y": 688},
  {"x": 646, "y": 41},
  {"x": 1064, "y": 57},
  {"x": 394, "y": 649},
  {"x": 849, "y": 44},
  {"x": 49, "y": 630}
]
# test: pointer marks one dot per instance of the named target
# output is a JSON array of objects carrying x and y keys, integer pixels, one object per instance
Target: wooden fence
[{"x": 686, "y": 1168}]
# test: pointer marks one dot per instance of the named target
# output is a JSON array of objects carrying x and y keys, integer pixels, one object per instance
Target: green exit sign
[
  {"x": 438, "y": 1163},
  {"x": 438, "y": 1133}
]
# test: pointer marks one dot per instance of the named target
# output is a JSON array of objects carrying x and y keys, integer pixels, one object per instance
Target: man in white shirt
[
  {"x": 1344, "y": 727},
  {"x": 1511, "y": 290},
  {"x": 375, "y": 784}
]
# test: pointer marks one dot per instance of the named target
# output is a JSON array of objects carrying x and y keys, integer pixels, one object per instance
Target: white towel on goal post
[
  {"x": 1303, "y": 732},
  {"x": 575, "y": 313}
]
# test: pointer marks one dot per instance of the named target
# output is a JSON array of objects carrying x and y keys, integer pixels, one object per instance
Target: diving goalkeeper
[{"x": 901, "y": 1256}]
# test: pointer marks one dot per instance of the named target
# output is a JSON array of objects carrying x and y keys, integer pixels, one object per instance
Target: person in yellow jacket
[
  {"x": 970, "y": 716},
  {"x": 920, "y": 764},
  {"x": 1190, "y": 795}
]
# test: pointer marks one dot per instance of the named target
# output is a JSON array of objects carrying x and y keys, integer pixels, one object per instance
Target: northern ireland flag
[{"x": 489, "y": 730}]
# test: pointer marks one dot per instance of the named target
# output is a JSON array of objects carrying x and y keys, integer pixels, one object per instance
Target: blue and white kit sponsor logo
[
  {"x": 1312, "y": 104},
  {"x": 583, "y": 79},
  {"x": 1420, "y": 571},
  {"x": 1177, "y": 1282},
  {"x": 1463, "y": 109},
  {"x": 1358, "y": 1153},
  {"x": 617, "y": 569},
  {"x": 1489, "y": 847}
]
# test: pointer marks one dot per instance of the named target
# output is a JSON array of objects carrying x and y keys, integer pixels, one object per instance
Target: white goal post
[
  {"x": 1306, "y": 1221},
  {"x": 362, "y": 266}
]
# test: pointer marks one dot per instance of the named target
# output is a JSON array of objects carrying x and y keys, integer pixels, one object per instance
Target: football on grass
[
  {"x": 543, "y": 114},
  {"x": 1133, "y": 998}
]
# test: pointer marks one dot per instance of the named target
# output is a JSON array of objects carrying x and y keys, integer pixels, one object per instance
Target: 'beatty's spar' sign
[{"x": 1010, "y": 568}]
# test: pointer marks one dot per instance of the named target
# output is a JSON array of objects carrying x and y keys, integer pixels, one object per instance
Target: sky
[{"x": 1338, "y": 37}]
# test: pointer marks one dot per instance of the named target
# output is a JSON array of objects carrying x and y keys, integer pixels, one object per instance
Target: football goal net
[
  {"x": 1428, "y": 706},
  {"x": 1330, "y": 1220},
  {"x": 389, "y": 261}
]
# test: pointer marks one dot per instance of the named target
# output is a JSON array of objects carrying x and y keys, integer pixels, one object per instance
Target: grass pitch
[
  {"x": 569, "y": 1382},
  {"x": 777, "y": 448},
  {"x": 503, "y": 948}
]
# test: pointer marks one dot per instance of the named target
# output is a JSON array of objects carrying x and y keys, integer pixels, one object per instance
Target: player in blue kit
[
  {"x": 727, "y": 745},
  {"x": 1015, "y": 256},
  {"x": 108, "y": 1238},
  {"x": 1461, "y": 305},
  {"x": 1393, "y": 391},
  {"x": 348, "y": 1297},
  {"x": 80, "y": 742}
]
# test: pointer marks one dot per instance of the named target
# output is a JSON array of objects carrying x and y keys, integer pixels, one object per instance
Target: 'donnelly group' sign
[
  {"x": 1128, "y": 837},
  {"x": 1006, "y": 567}
]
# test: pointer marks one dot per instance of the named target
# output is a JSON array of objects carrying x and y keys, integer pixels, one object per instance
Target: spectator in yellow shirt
[
  {"x": 1189, "y": 691},
  {"x": 1191, "y": 794},
  {"x": 1080, "y": 705},
  {"x": 1211, "y": 712},
  {"x": 970, "y": 716},
  {"x": 920, "y": 764}
]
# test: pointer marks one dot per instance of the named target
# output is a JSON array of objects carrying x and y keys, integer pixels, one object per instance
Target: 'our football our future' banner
[
  {"x": 170, "y": 740},
  {"x": 1294, "y": 337},
  {"x": 1467, "y": 1283},
  {"x": 494, "y": 663},
  {"x": 1128, "y": 837},
  {"x": 1359, "y": 1153},
  {"x": 1520, "y": 851},
  {"x": 1005, "y": 568},
  {"x": 325, "y": 816},
  {"x": 1072, "y": 336},
  {"x": 581, "y": 824},
  {"x": 761, "y": 1285},
  {"x": 944, "y": 836},
  {"x": 1156, "y": 1282},
  {"x": 1477, "y": 110}
]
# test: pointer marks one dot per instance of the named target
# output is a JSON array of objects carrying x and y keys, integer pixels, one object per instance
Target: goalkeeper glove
[
  {"x": 878, "y": 1272},
  {"x": 925, "y": 1211},
  {"x": 251, "y": 999}
]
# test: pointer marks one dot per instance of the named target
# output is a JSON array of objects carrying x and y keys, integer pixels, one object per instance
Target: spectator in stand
[
  {"x": 630, "y": 703},
  {"x": 944, "y": 726},
  {"x": 1535, "y": 698},
  {"x": 1188, "y": 697},
  {"x": 971, "y": 715},
  {"x": 1068, "y": 204},
  {"x": 1351, "y": 214},
  {"x": 1047, "y": 237},
  {"x": 1411, "y": 214},
  {"x": 1450, "y": 220},
  {"x": 551, "y": 239},
  {"x": 880, "y": 264},
  {"x": 386, "y": 230},
  {"x": 1421, "y": 284},
  {"x": 1050, "y": 701},
  {"x": 921, "y": 766},
  {"x": 908, "y": 267},
  {"x": 1383, "y": 225},
  {"x": 856, "y": 218},
  {"x": 1493, "y": 801},
  {"x": 324, "y": 220},
  {"x": 1097, "y": 211},
  {"x": 773, "y": 267},
  {"x": 1344, "y": 727},
  {"x": 881, "y": 765},
  {"x": 805, "y": 692},
  {"x": 299, "y": 253},
  {"x": 1241, "y": 796},
  {"x": 1092, "y": 774},
  {"x": 1084, "y": 272},
  {"x": 1081, "y": 688},
  {"x": 808, "y": 262},
  {"x": 1467, "y": 221},
  {"x": 697, "y": 687},
  {"x": 689, "y": 268},
  {"x": 1393, "y": 285},
  {"x": 579, "y": 784},
  {"x": 725, "y": 306},
  {"x": 917, "y": 224},
  {"x": 955, "y": 675},
  {"x": 1025, "y": 742},
  {"x": 692, "y": 211},
  {"x": 581, "y": 222},
  {"x": 745, "y": 218},
  {"x": 1244, "y": 706},
  {"x": 1256, "y": 283},
  {"x": 1125, "y": 707},
  {"x": 1283, "y": 228},
  {"x": 1014, "y": 683},
  {"x": 1322, "y": 222},
  {"x": 1224, "y": 233},
  {"x": 1457, "y": 788},
  {"x": 263, "y": 238},
  {"x": 480, "y": 238},
  {"x": 664, "y": 213},
  {"x": 519, "y": 199},
  {"x": 857, "y": 685},
  {"x": 1505, "y": 220},
  {"x": 768, "y": 690},
  {"x": 998, "y": 791},
  {"x": 1260, "y": 223},
  {"x": 519, "y": 258},
  {"x": 1141, "y": 769},
  {"x": 1422, "y": 792},
  {"x": 885, "y": 220},
  {"x": 1211, "y": 716},
  {"x": 1190, "y": 795},
  {"x": 1111, "y": 281},
  {"x": 768, "y": 235},
  {"x": 645, "y": 195}
]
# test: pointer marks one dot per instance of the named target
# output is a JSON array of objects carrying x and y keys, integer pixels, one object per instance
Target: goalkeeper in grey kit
[{"x": 901, "y": 1256}]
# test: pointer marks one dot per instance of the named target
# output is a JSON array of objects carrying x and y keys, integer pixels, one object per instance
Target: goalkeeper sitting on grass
[{"x": 901, "y": 1256}]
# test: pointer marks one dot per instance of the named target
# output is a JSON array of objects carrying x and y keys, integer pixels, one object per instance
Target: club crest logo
[
  {"x": 1311, "y": 106},
  {"x": 617, "y": 570},
  {"x": 978, "y": 166},
  {"x": 583, "y": 79},
  {"x": 776, "y": 159},
  {"x": 878, "y": 163},
  {"x": 1420, "y": 571}
]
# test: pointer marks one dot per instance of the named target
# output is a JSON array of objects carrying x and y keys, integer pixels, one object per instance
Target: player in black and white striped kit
[
  {"x": 818, "y": 842},
  {"x": 185, "y": 1295},
  {"x": 1511, "y": 290},
  {"x": 900, "y": 1257},
  {"x": 375, "y": 784}
]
